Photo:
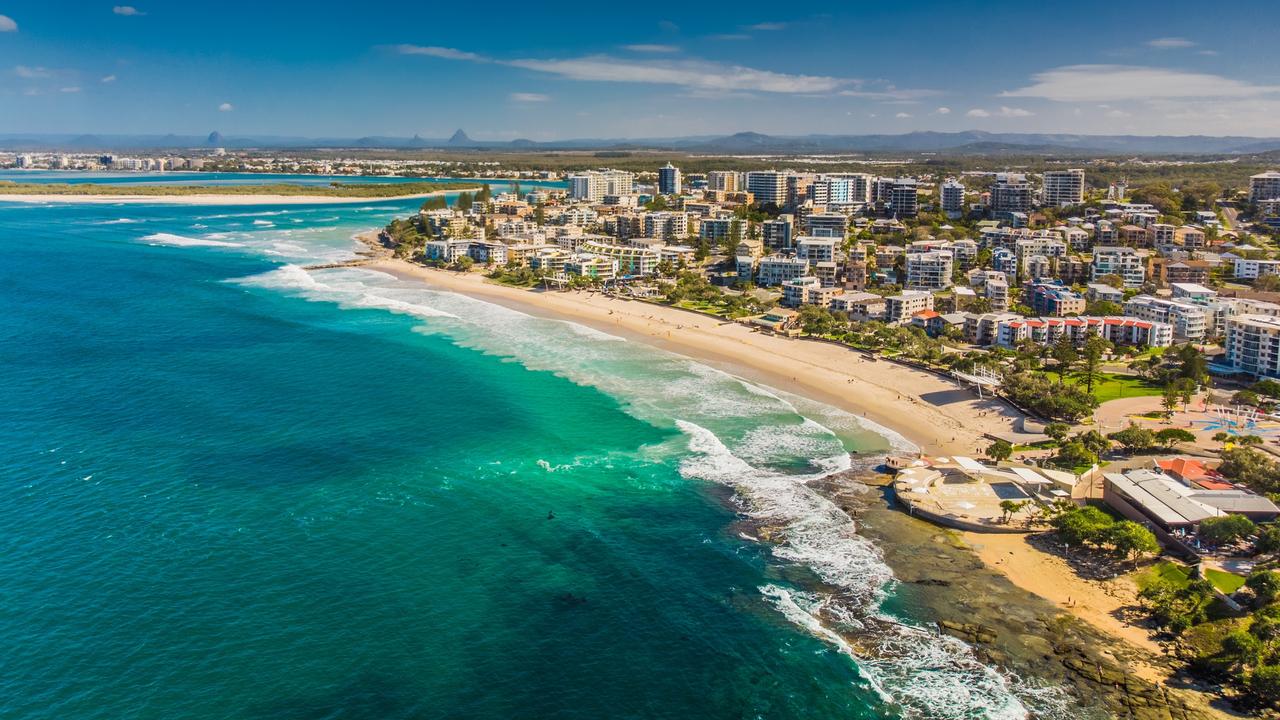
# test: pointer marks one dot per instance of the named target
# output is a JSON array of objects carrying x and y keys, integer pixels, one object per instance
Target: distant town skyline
[{"x": 516, "y": 70}]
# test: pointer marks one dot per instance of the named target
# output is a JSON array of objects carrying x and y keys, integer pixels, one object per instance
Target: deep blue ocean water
[{"x": 232, "y": 488}]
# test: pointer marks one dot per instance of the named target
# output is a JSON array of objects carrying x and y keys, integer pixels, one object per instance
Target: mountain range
[{"x": 966, "y": 142}]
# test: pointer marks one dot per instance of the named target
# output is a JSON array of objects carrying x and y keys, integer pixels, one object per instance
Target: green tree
[
  {"x": 1009, "y": 507},
  {"x": 1226, "y": 529},
  {"x": 1090, "y": 372},
  {"x": 1134, "y": 438},
  {"x": 1265, "y": 585},
  {"x": 1065, "y": 355},
  {"x": 999, "y": 450},
  {"x": 1268, "y": 540},
  {"x": 1057, "y": 430},
  {"x": 1170, "y": 437},
  {"x": 1075, "y": 455},
  {"x": 1083, "y": 525},
  {"x": 1131, "y": 540}
]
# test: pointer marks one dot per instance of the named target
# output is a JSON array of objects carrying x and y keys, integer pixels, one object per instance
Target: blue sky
[{"x": 505, "y": 70}]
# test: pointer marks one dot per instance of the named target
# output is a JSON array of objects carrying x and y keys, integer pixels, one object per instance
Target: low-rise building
[{"x": 899, "y": 308}]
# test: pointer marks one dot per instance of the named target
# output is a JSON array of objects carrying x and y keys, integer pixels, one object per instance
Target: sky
[{"x": 543, "y": 71}]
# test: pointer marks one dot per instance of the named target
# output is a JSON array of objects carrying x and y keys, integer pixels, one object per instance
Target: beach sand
[
  {"x": 931, "y": 412},
  {"x": 209, "y": 199}
]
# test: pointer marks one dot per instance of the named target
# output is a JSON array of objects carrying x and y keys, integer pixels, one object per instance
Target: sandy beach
[
  {"x": 208, "y": 199},
  {"x": 931, "y": 412}
]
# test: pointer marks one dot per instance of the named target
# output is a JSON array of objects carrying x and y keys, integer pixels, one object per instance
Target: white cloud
[
  {"x": 32, "y": 73},
  {"x": 126, "y": 10},
  {"x": 978, "y": 113},
  {"x": 1170, "y": 43},
  {"x": 440, "y": 52},
  {"x": 890, "y": 93},
  {"x": 651, "y": 48},
  {"x": 692, "y": 74},
  {"x": 7, "y": 24},
  {"x": 226, "y": 107},
  {"x": 70, "y": 89},
  {"x": 108, "y": 79},
  {"x": 902, "y": 116},
  {"x": 527, "y": 97},
  {"x": 1100, "y": 83},
  {"x": 943, "y": 111},
  {"x": 1014, "y": 112},
  {"x": 729, "y": 36},
  {"x": 768, "y": 26},
  {"x": 1117, "y": 113}
]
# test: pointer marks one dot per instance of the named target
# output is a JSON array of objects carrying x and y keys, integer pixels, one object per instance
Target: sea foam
[{"x": 183, "y": 241}]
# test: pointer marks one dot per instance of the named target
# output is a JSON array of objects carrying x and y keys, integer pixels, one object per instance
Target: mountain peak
[{"x": 460, "y": 138}]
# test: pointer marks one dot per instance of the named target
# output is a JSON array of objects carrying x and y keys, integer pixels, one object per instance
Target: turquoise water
[{"x": 237, "y": 489}]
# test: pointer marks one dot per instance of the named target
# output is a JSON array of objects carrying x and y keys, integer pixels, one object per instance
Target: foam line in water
[
  {"x": 928, "y": 675},
  {"x": 182, "y": 241}
]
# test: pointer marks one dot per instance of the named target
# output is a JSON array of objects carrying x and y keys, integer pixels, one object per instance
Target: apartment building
[
  {"x": 1190, "y": 322},
  {"x": 776, "y": 269},
  {"x": 724, "y": 181},
  {"x": 768, "y": 186},
  {"x": 1253, "y": 344},
  {"x": 1063, "y": 187},
  {"x": 859, "y": 306},
  {"x": 929, "y": 270},
  {"x": 904, "y": 199},
  {"x": 631, "y": 260},
  {"x": 778, "y": 233},
  {"x": 1012, "y": 193},
  {"x": 1122, "y": 261},
  {"x": 669, "y": 180},
  {"x": 951, "y": 197},
  {"x": 1123, "y": 331},
  {"x": 898, "y": 309},
  {"x": 666, "y": 225},
  {"x": 1053, "y": 299},
  {"x": 1264, "y": 186},
  {"x": 827, "y": 224},
  {"x": 1246, "y": 269}
]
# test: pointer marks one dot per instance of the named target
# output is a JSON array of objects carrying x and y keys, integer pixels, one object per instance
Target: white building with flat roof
[
  {"x": 1253, "y": 345},
  {"x": 1063, "y": 187}
]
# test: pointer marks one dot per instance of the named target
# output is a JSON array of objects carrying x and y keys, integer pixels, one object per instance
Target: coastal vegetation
[{"x": 333, "y": 189}]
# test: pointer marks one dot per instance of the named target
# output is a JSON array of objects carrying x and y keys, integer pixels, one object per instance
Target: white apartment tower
[{"x": 1063, "y": 187}]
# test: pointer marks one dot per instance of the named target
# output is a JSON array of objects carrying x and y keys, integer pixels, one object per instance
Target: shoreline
[
  {"x": 213, "y": 199},
  {"x": 933, "y": 414},
  {"x": 845, "y": 379}
]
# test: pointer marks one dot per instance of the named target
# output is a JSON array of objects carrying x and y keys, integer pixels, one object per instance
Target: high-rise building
[
  {"x": 843, "y": 189},
  {"x": 1011, "y": 193},
  {"x": 593, "y": 185},
  {"x": 904, "y": 200},
  {"x": 1264, "y": 186},
  {"x": 951, "y": 197},
  {"x": 1063, "y": 187},
  {"x": 768, "y": 186},
  {"x": 724, "y": 181},
  {"x": 1253, "y": 344},
  {"x": 669, "y": 180},
  {"x": 778, "y": 233}
]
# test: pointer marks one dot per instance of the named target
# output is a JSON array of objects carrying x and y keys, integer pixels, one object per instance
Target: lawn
[
  {"x": 1224, "y": 581},
  {"x": 1165, "y": 571},
  {"x": 1114, "y": 386}
]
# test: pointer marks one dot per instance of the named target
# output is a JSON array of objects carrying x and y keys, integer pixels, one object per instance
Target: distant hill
[{"x": 965, "y": 142}]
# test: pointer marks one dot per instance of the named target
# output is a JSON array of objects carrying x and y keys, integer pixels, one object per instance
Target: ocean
[{"x": 234, "y": 488}]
